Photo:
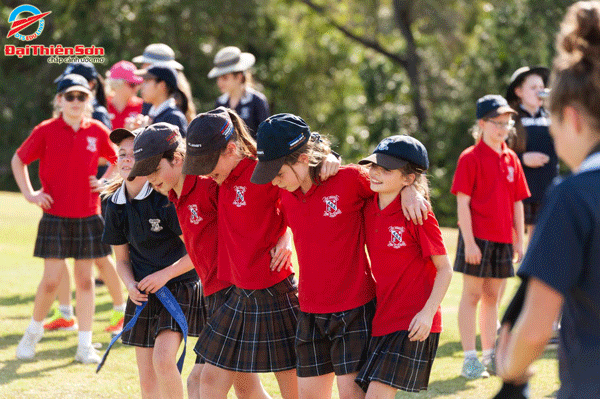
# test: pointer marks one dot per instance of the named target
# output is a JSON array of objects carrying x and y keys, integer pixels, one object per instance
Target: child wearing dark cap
[
  {"x": 490, "y": 186},
  {"x": 71, "y": 226},
  {"x": 411, "y": 270}
]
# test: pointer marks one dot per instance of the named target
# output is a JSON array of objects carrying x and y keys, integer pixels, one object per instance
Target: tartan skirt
[
  {"x": 155, "y": 318},
  {"x": 212, "y": 303},
  {"x": 62, "y": 238},
  {"x": 531, "y": 211},
  {"x": 254, "y": 331},
  {"x": 399, "y": 362},
  {"x": 496, "y": 259}
]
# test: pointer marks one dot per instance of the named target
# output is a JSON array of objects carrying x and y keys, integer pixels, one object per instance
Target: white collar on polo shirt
[{"x": 120, "y": 198}]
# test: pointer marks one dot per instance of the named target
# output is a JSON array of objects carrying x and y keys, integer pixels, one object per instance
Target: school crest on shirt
[
  {"x": 396, "y": 240},
  {"x": 331, "y": 206},
  {"x": 239, "y": 196},
  {"x": 511, "y": 174},
  {"x": 155, "y": 225},
  {"x": 245, "y": 113},
  {"x": 91, "y": 143},
  {"x": 195, "y": 218}
]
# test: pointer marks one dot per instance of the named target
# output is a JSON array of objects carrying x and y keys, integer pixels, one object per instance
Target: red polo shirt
[
  {"x": 133, "y": 108},
  {"x": 250, "y": 224},
  {"x": 67, "y": 160},
  {"x": 494, "y": 181},
  {"x": 400, "y": 253},
  {"x": 197, "y": 214},
  {"x": 329, "y": 236}
]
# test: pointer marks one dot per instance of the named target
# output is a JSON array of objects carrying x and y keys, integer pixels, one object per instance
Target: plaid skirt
[
  {"x": 333, "y": 342},
  {"x": 496, "y": 259},
  {"x": 212, "y": 303},
  {"x": 62, "y": 238},
  {"x": 156, "y": 318},
  {"x": 396, "y": 361},
  {"x": 531, "y": 211},
  {"x": 254, "y": 331}
]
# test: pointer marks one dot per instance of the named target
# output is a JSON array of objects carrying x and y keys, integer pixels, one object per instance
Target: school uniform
[
  {"x": 100, "y": 113},
  {"x": 336, "y": 289},
  {"x": 131, "y": 110},
  {"x": 71, "y": 227},
  {"x": 254, "y": 331},
  {"x": 253, "y": 108},
  {"x": 168, "y": 112},
  {"x": 494, "y": 181},
  {"x": 400, "y": 253},
  {"x": 148, "y": 224},
  {"x": 564, "y": 253}
]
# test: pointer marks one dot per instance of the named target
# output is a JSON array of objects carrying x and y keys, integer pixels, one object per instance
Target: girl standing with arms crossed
[
  {"x": 408, "y": 320},
  {"x": 71, "y": 226},
  {"x": 490, "y": 186},
  {"x": 142, "y": 227}
]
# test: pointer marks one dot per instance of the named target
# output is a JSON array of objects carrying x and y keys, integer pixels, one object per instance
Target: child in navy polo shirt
[
  {"x": 411, "y": 270},
  {"x": 562, "y": 265},
  {"x": 490, "y": 186},
  {"x": 142, "y": 227}
]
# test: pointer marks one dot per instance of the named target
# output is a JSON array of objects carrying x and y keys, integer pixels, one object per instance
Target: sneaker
[
  {"x": 472, "y": 369},
  {"x": 58, "y": 322},
  {"x": 490, "y": 365},
  {"x": 26, "y": 347},
  {"x": 87, "y": 355},
  {"x": 115, "y": 323}
]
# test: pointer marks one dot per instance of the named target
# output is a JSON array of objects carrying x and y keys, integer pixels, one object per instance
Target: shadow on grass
[
  {"x": 449, "y": 386},
  {"x": 16, "y": 300},
  {"x": 449, "y": 349},
  {"x": 13, "y": 340}
]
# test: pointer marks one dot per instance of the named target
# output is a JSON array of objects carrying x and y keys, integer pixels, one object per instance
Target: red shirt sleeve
[
  {"x": 464, "y": 177},
  {"x": 430, "y": 238},
  {"x": 106, "y": 148},
  {"x": 33, "y": 146}
]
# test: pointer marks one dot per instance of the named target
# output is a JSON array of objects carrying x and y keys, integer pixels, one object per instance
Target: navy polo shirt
[
  {"x": 100, "y": 113},
  {"x": 564, "y": 253},
  {"x": 149, "y": 225},
  {"x": 173, "y": 116},
  {"x": 252, "y": 108},
  {"x": 539, "y": 140}
]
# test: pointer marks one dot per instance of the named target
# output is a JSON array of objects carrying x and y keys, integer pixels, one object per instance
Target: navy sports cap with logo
[
  {"x": 492, "y": 105},
  {"x": 149, "y": 146},
  {"x": 164, "y": 73},
  {"x": 206, "y": 135},
  {"x": 396, "y": 151},
  {"x": 85, "y": 69},
  {"x": 73, "y": 82},
  {"x": 276, "y": 137},
  {"x": 118, "y": 135}
]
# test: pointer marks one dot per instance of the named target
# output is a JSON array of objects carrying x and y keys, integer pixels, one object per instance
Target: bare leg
[
  {"x": 348, "y": 388},
  {"x": 318, "y": 387},
  {"x": 46, "y": 291},
  {"x": 148, "y": 379},
  {"x": 84, "y": 293},
  {"x": 165, "y": 364},
  {"x": 249, "y": 386},
  {"x": 64, "y": 288},
  {"x": 467, "y": 311},
  {"x": 193, "y": 382},
  {"x": 377, "y": 390},
  {"x": 288, "y": 383},
  {"x": 107, "y": 270},
  {"x": 215, "y": 382},
  {"x": 488, "y": 320}
]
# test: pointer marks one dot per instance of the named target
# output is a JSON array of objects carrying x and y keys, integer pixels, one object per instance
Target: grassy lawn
[{"x": 54, "y": 373}]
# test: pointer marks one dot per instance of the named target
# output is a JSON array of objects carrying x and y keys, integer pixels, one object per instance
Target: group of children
[{"x": 204, "y": 208}]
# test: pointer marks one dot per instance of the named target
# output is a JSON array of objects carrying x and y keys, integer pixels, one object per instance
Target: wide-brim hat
[
  {"x": 158, "y": 53},
  {"x": 519, "y": 76},
  {"x": 231, "y": 59}
]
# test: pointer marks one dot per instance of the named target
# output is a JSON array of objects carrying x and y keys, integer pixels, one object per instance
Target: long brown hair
[
  {"x": 316, "y": 148},
  {"x": 241, "y": 136}
]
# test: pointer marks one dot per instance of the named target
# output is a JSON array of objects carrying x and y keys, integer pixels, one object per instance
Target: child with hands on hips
[
  {"x": 490, "y": 186},
  {"x": 408, "y": 320},
  {"x": 142, "y": 227}
]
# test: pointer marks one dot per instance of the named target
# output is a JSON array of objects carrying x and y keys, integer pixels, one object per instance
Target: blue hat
[
  {"x": 85, "y": 69},
  {"x": 396, "y": 151},
  {"x": 277, "y": 136},
  {"x": 73, "y": 82},
  {"x": 492, "y": 105},
  {"x": 149, "y": 146},
  {"x": 164, "y": 73}
]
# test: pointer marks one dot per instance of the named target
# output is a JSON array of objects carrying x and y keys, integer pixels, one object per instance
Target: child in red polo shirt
[
  {"x": 123, "y": 105},
  {"x": 490, "y": 185},
  {"x": 412, "y": 272},
  {"x": 70, "y": 226}
]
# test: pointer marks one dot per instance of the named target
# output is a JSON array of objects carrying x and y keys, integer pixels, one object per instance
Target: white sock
[
  {"x": 471, "y": 354},
  {"x": 66, "y": 311},
  {"x": 119, "y": 308},
  {"x": 85, "y": 338},
  {"x": 487, "y": 355},
  {"x": 35, "y": 327}
]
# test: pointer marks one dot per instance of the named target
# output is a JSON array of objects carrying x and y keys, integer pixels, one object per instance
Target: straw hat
[
  {"x": 159, "y": 53},
  {"x": 231, "y": 59}
]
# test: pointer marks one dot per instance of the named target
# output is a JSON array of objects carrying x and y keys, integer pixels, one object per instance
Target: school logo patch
[
  {"x": 511, "y": 174},
  {"x": 239, "y": 196},
  {"x": 245, "y": 113},
  {"x": 155, "y": 225},
  {"x": 195, "y": 218},
  {"x": 331, "y": 206},
  {"x": 396, "y": 239},
  {"x": 383, "y": 146},
  {"x": 91, "y": 146}
]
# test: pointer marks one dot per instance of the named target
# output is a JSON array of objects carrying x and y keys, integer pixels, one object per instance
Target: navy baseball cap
[
  {"x": 276, "y": 137},
  {"x": 118, "y": 135},
  {"x": 492, "y": 105},
  {"x": 164, "y": 73},
  {"x": 149, "y": 146},
  {"x": 85, "y": 69},
  {"x": 206, "y": 135},
  {"x": 73, "y": 82},
  {"x": 395, "y": 152}
]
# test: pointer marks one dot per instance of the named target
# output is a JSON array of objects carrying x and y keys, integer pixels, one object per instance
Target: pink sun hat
[{"x": 125, "y": 70}]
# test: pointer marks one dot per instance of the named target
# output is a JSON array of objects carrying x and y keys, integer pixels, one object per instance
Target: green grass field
[{"x": 54, "y": 373}]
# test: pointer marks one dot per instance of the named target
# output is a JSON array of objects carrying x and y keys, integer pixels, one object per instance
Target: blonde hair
[{"x": 317, "y": 148}]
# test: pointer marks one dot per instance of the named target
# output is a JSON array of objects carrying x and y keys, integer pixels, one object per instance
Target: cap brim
[
  {"x": 265, "y": 172},
  {"x": 499, "y": 111},
  {"x": 384, "y": 160},
  {"x": 144, "y": 167},
  {"x": 118, "y": 135},
  {"x": 141, "y": 59},
  {"x": 246, "y": 61},
  {"x": 82, "y": 89},
  {"x": 200, "y": 165}
]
